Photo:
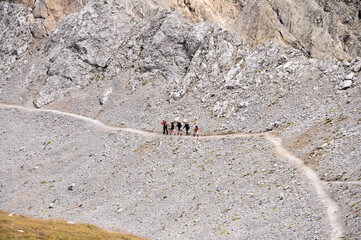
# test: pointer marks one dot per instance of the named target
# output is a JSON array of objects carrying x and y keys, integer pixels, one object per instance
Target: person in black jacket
[
  {"x": 187, "y": 127},
  {"x": 179, "y": 126},
  {"x": 172, "y": 128}
]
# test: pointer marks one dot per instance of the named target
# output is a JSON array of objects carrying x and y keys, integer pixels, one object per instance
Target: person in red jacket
[
  {"x": 165, "y": 127},
  {"x": 196, "y": 130}
]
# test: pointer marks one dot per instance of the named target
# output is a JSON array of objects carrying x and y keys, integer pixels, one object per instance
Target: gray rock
[
  {"x": 357, "y": 67},
  {"x": 273, "y": 126},
  {"x": 105, "y": 96},
  {"x": 40, "y": 10},
  {"x": 71, "y": 187},
  {"x": 243, "y": 104},
  {"x": 350, "y": 76},
  {"x": 346, "y": 63},
  {"x": 345, "y": 84}
]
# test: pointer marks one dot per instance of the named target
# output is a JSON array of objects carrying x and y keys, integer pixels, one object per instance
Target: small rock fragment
[
  {"x": 346, "y": 63},
  {"x": 243, "y": 104},
  {"x": 357, "y": 67},
  {"x": 350, "y": 76},
  {"x": 71, "y": 187},
  {"x": 272, "y": 126},
  {"x": 345, "y": 84},
  {"x": 105, "y": 96}
]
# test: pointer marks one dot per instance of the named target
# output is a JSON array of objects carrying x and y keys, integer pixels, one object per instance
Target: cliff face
[
  {"x": 319, "y": 28},
  {"x": 322, "y": 29},
  {"x": 49, "y": 12}
]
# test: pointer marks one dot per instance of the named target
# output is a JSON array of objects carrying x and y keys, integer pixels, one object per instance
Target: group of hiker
[{"x": 177, "y": 128}]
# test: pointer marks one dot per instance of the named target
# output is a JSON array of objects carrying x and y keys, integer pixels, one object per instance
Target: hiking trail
[{"x": 333, "y": 211}]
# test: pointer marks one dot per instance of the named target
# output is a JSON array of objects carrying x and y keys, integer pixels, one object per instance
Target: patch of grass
[
  {"x": 273, "y": 103},
  {"x": 355, "y": 204},
  {"x": 46, "y": 144},
  {"x": 19, "y": 227}
]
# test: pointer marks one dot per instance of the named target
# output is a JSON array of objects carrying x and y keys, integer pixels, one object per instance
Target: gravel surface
[
  {"x": 156, "y": 187},
  {"x": 348, "y": 195}
]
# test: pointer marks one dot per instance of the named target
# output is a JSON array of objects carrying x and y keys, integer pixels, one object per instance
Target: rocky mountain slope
[
  {"x": 321, "y": 29},
  {"x": 133, "y": 64},
  {"x": 47, "y": 13}
]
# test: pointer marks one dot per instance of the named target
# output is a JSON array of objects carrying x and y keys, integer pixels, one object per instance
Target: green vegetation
[
  {"x": 19, "y": 227},
  {"x": 273, "y": 103}
]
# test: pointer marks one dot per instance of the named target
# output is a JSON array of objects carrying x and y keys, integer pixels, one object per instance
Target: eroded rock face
[
  {"x": 316, "y": 27},
  {"x": 104, "y": 39},
  {"x": 321, "y": 29},
  {"x": 88, "y": 41},
  {"x": 50, "y": 11},
  {"x": 18, "y": 33}
]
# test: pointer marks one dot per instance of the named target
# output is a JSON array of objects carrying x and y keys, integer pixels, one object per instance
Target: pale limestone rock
[
  {"x": 40, "y": 10},
  {"x": 350, "y": 76},
  {"x": 357, "y": 67},
  {"x": 345, "y": 84}
]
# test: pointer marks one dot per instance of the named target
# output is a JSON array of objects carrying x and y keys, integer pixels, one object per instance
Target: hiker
[
  {"x": 187, "y": 127},
  {"x": 172, "y": 128},
  {"x": 196, "y": 130},
  {"x": 179, "y": 126},
  {"x": 165, "y": 127}
]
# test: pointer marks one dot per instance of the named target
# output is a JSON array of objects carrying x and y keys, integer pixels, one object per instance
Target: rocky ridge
[
  {"x": 47, "y": 13},
  {"x": 318, "y": 28}
]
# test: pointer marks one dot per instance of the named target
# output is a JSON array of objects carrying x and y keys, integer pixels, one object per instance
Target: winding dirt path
[{"x": 333, "y": 211}]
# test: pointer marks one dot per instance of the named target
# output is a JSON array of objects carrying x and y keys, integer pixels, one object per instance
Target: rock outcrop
[
  {"x": 321, "y": 29},
  {"x": 50, "y": 12}
]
